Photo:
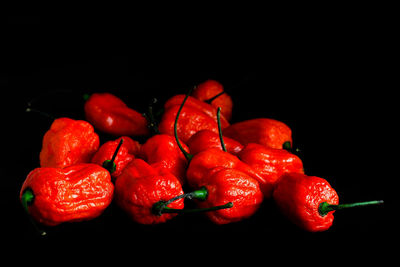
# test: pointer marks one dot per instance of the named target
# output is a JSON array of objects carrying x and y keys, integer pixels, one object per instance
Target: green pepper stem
[
  {"x": 110, "y": 164},
  {"x": 160, "y": 207},
  {"x": 170, "y": 210},
  {"x": 324, "y": 208},
  {"x": 27, "y": 199},
  {"x": 188, "y": 156},
  {"x": 208, "y": 101},
  {"x": 220, "y": 129}
]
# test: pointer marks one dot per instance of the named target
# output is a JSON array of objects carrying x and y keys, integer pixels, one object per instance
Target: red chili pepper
[
  {"x": 206, "y": 139},
  {"x": 194, "y": 117},
  {"x": 263, "y": 131},
  {"x": 202, "y": 163},
  {"x": 230, "y": 186},
  {"x": 116, "y": 155},
  {"x": 162, "y": 152},
  {"x": 309, "y": 201},
  {"x": 111, "y": 115},
  {"x": 140, "y": 187},
  {"x": 212, "y": 92},
  {"x": 270, "y": 163},
  {"x": 80, "y": 192},
  {"x": 68, "y": 142}
]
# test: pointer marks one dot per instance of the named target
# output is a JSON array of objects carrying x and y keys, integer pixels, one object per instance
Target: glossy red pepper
[
  {"x": 202, "y": 163},
  {"x": 206, "y": 139},
  {"x": 194, "y": 117},
  {"x": 268, "y": 132},
  {"x": 270, "y": 163},
  {"x": 309, "y": 201},
  {"x": 162, "y": 152},
  {"x": 212, "y": 92},
  {"x": 230, "y": 186},
  {"x": 140, "y": 187},
  {"x": 111, "y": 115},
  {"x": 125, "y": 149},
  {"x": 68, "y": 142},
  {"x": 76, "y": 193}
]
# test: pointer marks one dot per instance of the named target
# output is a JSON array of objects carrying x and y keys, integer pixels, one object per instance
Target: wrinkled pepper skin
[
  {"x": 231, "y": 185},
  {"x": 195, "y": 116},
  {"x": 202, "y": 163},
  {"x": 76, "y": 193},
  {"x": 209, "y": 89},
  {"x": 206, "y": 139},
  {"x": 298, "y": 196},
  {"x": 270, "y": 163},
  {"x": 111, "y": 115},
  {"x": 124, "y": 156},
  {"x": 68, "y": 142},
  {"x": 162, "y": 152},
  {"x": 136, "y": 192},
  {"x": 194, "y": 103},
  {"x": 263, "y": 131},
  {"x": 190, "y": 122}
]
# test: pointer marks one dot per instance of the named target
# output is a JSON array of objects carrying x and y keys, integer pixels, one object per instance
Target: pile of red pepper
[{"x": 228, "y": 168}]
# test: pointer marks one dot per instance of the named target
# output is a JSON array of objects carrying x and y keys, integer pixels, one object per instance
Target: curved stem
[
  {"x": 324, "y": 208},
  {"x": 110, "y": 164},
  {"x": 170, "y": 210},
  {"x": 160, "y": 207},
  {"x": 208, "y": 101},
  {"x": 220, "y": 129},
  {"x": 188, "y": 156}
]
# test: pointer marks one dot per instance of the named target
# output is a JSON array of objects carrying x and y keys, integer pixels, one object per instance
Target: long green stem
[
  {"x": 110, "y": 164},
  {"x": 188, "y": 156},
  {"x": 170, "y": 210},
  {"x": 220, "y": 129},
  {"x": 208, "y": 101},
  {"x": 324, "y": 208},
  {"x": 160, "y": 207}
]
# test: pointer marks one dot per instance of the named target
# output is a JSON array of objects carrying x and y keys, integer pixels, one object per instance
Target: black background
[{"x": 329, "y": 79}]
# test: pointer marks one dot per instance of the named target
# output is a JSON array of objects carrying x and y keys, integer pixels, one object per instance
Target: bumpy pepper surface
[
  {"x": 68, "y": 142},
  {"x": 206, "y": 139},
  {"x": 126, "y": 153},
  {"x": 231, "y": 185},
  {"x": 270, "y": 163},
  {"x": 263, "y": 131},
  {"x": 212, "y": 89},
  {"x": 162, "y": 151},
  {"x": 76, "y": 193},
  {"x": 140, "y": 186},
  {"x": 201, "y": 164},
  {"x": 299, "y": 197},
  {"x": 111, "y": 115},
  {"x": 194, "y": 117}
]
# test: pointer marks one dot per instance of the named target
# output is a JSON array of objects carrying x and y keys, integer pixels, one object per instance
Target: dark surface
[{"x": 332, "y": 89}]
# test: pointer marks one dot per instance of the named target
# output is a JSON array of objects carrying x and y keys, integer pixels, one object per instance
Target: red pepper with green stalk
[
  {"x": 264, "y": 131},
  {"x": 152, "y": 196},
  {"x": 309, "y": 201},
  {"x": 224, "y": 180},
  {"x": 212, "y": 92},
  {"x": 195, "y": 116},
  {"x": 116, "y": 155},
  {"x": 206, "y": 139},
  {"x": 80, "y": 192}
]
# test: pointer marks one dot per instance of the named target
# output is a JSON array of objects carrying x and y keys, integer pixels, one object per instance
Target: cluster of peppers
[{"x": 229, "y": 168}]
